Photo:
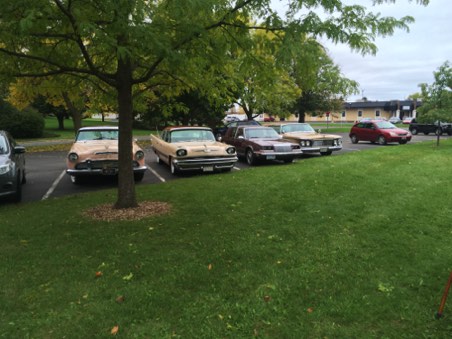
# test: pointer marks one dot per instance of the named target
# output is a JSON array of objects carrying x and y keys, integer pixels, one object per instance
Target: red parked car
[{"x": 378, "y": 131}]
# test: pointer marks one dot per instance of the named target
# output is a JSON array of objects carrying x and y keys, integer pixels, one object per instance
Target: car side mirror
[{"x": 19, "y": 150}]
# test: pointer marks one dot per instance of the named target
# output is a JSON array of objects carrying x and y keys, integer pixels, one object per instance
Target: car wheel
[
  {"x": 449, "y": 132},
  {"x": 75, "y": 180},
  {"x": 326, "y": 153},
  {"x": 138, "y": 176},
  {"x": 414, "y": 131},
  {"x": 354, "y": 139},
  {"x": 17, "y": 197},
  {"x": 24, "y": 177},
  {"x": 425, "y": 133},
  {"x": 288, "y": 161},
  {"x": 250, "y": 158},
  {"x": 173, "y": 168},
  {"x": 381, "y": 140}
]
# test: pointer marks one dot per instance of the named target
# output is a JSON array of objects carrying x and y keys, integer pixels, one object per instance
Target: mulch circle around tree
[{"x": 145, "y": 209}]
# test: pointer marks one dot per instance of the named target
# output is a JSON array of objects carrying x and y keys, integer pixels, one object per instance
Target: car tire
[
  {"x": 449, "y": 132},
  {"x": 414, "y": 131},
  {"x": 138, "y": 176},
  {"x": 381, "y": 140},
  {"x": 24, "y": 177},
  {"x": 174, "y": 170},
  {"x": 288, "y": 161},
  {"x": 326, "y": 153},
  {"x": 403, "y": 142},
  {"x": 250, "y": 157},
  {"x": 354, "y": 139},
  {"x": 425, "y": 133},
  {"x": 75, "y": 180},
  {"x": 17, "y": 197},
  {"x": 159, "y": 161}
]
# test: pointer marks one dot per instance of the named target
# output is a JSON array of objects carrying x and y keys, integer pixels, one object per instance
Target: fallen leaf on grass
[
  {"x": 209, "y": 267},
  {"x": 310, "y": 310},
  {"x": 128, "y": 277},
  {"x": 120, "y": 299},
  {"x": 115, "y": 330},
  {"x": 99, "y": 274}
]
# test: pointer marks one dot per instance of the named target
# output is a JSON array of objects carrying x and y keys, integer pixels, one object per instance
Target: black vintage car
[{"x": 437, "y": 127}]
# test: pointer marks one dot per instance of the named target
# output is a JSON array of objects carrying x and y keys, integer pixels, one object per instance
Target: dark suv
[{"x": 12, "y": 167}]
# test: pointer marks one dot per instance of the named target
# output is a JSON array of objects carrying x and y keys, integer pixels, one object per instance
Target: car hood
[
  {"x": 268, "y": 142},
  {"x": 310, "y": 136},
  {"x": 98, "y": 147}
]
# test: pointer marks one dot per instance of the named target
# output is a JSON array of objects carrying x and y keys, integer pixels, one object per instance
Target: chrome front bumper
[{"x": 205, "y": 164}]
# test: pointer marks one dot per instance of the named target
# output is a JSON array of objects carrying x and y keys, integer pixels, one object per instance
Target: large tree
[{"x": 134, "y": 45}]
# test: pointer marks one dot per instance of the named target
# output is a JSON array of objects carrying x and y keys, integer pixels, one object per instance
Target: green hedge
[{"x": 21, "y": 124}]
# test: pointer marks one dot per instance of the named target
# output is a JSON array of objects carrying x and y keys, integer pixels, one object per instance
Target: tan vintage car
[
  {"x": 309, "y": 140},
  {"x": 95, "y": 152},
  {"x": 192, "y": 148}
]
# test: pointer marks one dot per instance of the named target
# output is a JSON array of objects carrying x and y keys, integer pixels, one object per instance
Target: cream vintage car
[
  {"x": 309, "y": 140},
  {"x": 95, "y": 152},
  {"x": 192, "y": 148}
]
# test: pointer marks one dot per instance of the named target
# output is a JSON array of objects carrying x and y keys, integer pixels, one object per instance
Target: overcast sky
[{"x": 405, "y": 59}]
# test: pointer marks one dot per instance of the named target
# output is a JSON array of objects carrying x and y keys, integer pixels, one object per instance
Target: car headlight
[
  {"x": 305, "y": 143},
  {"x": 267, "y": 148},
  {"x": 73, "y": 157},
  {"x": 139, "y": 155},
  {"x": 4, "y": 169},
  {"x": 181, "y": 152},
  {"x": 230, "y": 150},
  {"x": 337, "y": 142}
]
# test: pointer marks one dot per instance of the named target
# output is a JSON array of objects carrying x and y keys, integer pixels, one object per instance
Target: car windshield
[
  {"x": 297, "y": 128},
  {"x": 266, "y": 132},
  {"x": 385, "y": 125},
  {"x": 3, "y": 145},
  {"x": 192, "y": 135},
  {"x": 97, "y": 135}
]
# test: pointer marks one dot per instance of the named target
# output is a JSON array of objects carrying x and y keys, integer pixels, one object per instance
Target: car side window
[{"x": 238, "y": 132}]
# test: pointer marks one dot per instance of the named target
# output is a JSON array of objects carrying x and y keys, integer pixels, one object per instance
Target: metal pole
[{"x": 439, "y": 314}]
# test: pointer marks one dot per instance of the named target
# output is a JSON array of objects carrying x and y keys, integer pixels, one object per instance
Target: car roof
[
  {"x": 100, "y": 128},
  {"x": 173, "y": 128}
]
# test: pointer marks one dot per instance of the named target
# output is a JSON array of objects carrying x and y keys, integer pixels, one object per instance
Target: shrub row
[{"x": 28, "y": 123}]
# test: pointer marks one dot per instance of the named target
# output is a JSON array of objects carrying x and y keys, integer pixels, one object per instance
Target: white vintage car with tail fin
[{"x": 188, "y": 148}]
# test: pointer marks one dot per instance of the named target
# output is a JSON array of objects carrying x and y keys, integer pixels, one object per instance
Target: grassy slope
[{"x": 351, "y": 246}]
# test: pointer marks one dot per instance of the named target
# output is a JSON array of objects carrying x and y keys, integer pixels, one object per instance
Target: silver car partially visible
[{"x": 12, "y": 167}]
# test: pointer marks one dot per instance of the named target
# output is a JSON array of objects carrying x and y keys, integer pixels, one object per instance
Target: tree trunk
[
  {"x": 75, "y": 113},
  {"x": 60, "y": 118},
  {"x": 126, "y": 186}
]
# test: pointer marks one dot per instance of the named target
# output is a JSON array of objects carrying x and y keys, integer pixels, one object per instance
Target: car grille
[
  {"x": 283, "y": 148},
  {"x": 322, "y": 143},
  {"x": 100, "y": 164}
]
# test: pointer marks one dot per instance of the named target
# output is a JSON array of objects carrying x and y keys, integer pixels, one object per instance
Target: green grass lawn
[{"x": 350, "y": 246}]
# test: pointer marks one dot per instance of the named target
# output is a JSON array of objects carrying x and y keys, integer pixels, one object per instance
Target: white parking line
[
  {"x": 236, "y": 168},
  {"x": 54, "y": 185},
  {"x": 156, "y": 174}
]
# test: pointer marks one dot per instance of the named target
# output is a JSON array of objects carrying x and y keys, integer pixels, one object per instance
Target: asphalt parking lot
[{"x": 46, "y": 177}]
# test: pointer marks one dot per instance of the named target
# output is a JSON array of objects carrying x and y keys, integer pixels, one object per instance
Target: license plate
[
  {"x": 108, "y": 171},
  {"x": 271, "y": 157},
  {"x": 403, "y": 138},
  {"x": 207, "y": 169},
  {"x": 323, "y": 149}
]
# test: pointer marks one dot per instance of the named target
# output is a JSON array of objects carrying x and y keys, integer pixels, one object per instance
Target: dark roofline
[{"x": 390, "y": 105}]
